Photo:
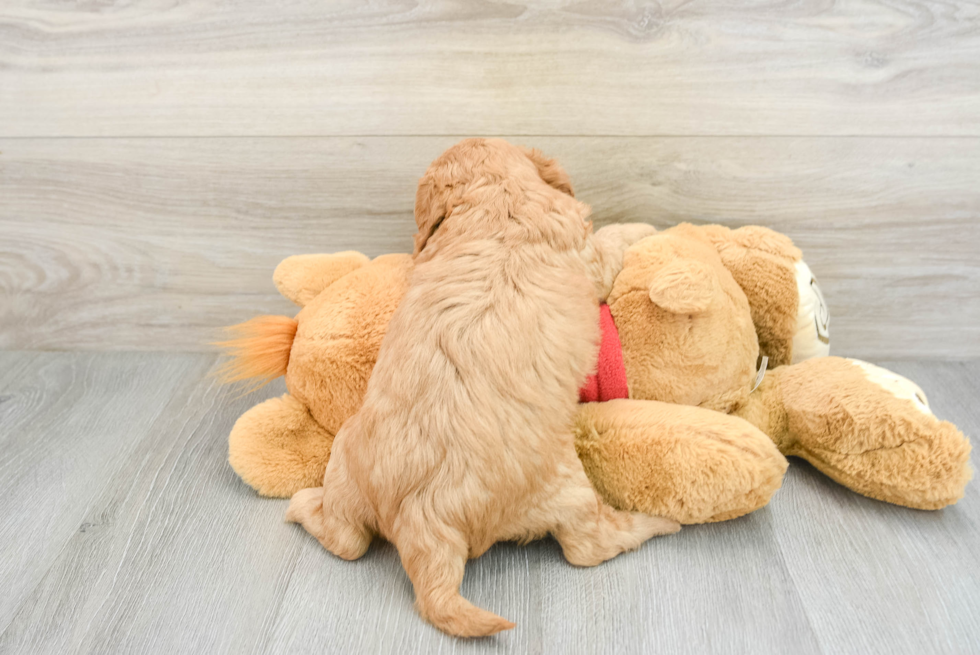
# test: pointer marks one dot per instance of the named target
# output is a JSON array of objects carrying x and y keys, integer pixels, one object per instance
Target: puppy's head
[{"x": 474, "y": 164}]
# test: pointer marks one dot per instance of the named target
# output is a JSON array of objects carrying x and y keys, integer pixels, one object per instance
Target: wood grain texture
[
  {"x": 153, "y": 244},
  {"x": 67, "y": 422},
  {"x": 12, "y": 366},
  {"x": 684, "y": 594},
  {"x": 176, "y": 555},
  {"x": 204, "y": 67},
  {"x": 173, "y": 554}
]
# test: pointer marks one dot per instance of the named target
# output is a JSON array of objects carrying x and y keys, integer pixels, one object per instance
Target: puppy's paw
[
  {"x": 646, "y": 526},
  {"x": 306, "y": 508},
  {"x": 344, "y": 539}
]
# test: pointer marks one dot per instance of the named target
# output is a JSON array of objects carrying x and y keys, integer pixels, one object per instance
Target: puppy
[{"x": 464, "y": 438}]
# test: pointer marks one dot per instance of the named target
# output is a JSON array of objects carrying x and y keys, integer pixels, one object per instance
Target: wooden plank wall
[{"x": 157, "y": 161}]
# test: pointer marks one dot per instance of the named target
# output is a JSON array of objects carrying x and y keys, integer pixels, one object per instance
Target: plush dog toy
[{"x": 686, "y": 425}]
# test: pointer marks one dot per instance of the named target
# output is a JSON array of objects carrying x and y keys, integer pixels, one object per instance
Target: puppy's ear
[
  {"x": 430, "y": 211},
  {"x": 550, "y": 171}
]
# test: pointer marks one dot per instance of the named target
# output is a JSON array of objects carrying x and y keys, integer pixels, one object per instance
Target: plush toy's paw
[
  {"x": 872, "y": 431},
  {"x": 689, "y": 464},
  {"x": 278, "y": 448}
]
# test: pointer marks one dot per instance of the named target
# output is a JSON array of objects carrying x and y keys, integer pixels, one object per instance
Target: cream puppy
[{"x": 464, "y": 438}]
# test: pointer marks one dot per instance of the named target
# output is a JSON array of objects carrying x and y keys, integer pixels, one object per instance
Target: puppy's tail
[
  {"x": 453, "y": 614},
  {"x": 435, "y": 567},
  {"x": 259, "y": 349}
]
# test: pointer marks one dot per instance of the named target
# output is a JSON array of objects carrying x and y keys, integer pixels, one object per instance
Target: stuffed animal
[{"x": 714, "y": 355}]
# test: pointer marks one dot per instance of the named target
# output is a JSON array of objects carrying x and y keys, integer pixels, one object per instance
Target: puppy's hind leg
[
  {"x": 590, "y": 532},
  {"x": 336, "y": 514},
  {"x": 434, "y": 556}
]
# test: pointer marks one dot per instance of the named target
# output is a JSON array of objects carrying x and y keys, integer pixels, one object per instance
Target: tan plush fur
[
  {"x": 464, "y": 438},
  {"x": 338, "y": 336},
  {"x": 689, "y": 463},
  {"x": 279, "y": 448},
  {"x": 873, "y": 442},
  {"x": 283, "y": 445},
  {"x": 824, "y": 410},
  {"x": 851, "y": 429},
  {"x": 761, "y": 262},
  {"x": 684, "y": 323},
  {"x": 301, "y": 278}
]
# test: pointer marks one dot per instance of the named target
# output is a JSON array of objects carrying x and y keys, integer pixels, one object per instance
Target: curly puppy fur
[{"x": 465, "y": 436}]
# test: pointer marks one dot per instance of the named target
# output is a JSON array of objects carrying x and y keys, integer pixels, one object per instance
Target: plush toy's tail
[{"x": 259, "y": 349}]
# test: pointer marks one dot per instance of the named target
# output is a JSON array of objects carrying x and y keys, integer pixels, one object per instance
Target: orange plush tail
[{"x": 259, "y": 349}]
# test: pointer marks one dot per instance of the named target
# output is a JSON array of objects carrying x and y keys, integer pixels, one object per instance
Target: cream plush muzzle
[{"x": 895, "y": 384}]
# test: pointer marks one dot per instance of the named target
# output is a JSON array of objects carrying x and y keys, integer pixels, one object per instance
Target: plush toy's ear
[
  {"x": 684, "y": 286},
  {"x": 301, "y": 278},
  {"x": 550, "y": 171},
  {"x": 764, "y": 263}
]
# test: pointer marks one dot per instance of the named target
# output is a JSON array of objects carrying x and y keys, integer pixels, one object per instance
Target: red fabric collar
[{"x": 609, "y": 380}]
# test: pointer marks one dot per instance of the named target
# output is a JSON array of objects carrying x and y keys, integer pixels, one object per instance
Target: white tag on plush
[{"x": 762, "y": 372}]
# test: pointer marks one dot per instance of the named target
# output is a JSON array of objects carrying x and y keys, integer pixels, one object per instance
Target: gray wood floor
[{"x": 122, "y": 529}]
